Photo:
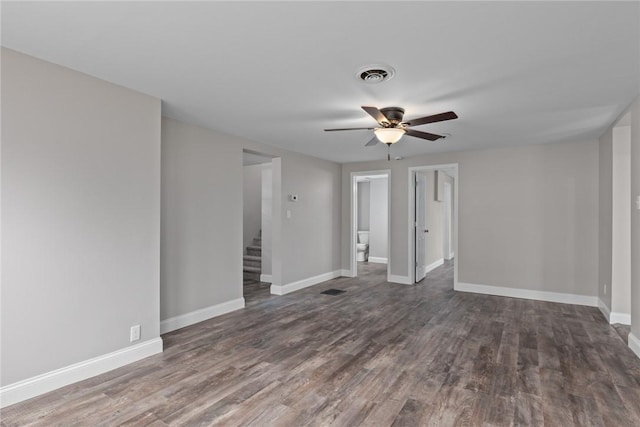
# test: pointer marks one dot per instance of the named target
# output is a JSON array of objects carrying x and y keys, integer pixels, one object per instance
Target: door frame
[
  {"x": 448, "y": 247},
  {"x": 411, "y": 258},
  {"x": 353, "y": 230},
  {"x": 420, "y": 223}
]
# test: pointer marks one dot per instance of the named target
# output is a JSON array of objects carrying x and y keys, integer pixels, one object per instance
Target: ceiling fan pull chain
[{"x": 388, "y": 152}]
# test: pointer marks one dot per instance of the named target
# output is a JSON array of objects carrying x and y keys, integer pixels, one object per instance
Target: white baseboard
[
  {"x": 528, "y": 294},
  {"x": 304, "y": 283},
  {"x": 266, "y": 278},
  {"x": 44, "y": 383},
  {"x": 377, "y": 260},
  {"x": 612, "y": 316},
  {"x": 622, "y": 318},
  {"x": 346, "y": 273},
  {"x": 434, "y": 265},
  {"x": 198, "y": 316},
  {"x": 634, "y": 344},
  {"x": 604, "y": 309},
  {"x": 403, "y": 280}
]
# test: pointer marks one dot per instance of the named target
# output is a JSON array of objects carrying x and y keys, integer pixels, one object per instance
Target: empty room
[{"x": 319, "y": 213}]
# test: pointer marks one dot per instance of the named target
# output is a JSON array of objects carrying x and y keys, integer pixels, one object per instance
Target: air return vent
[{"x": 373, "y": 74}]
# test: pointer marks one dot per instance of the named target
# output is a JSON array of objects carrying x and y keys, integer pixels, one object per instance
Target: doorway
[
  {"x": 433, "y": 218},
  {"x": 257, "y": 230},
  {"x": 369, "y": 233}
]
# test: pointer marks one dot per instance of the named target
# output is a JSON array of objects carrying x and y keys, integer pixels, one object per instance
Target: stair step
[
  {"x": 251, "y": 273},
  {"x": 251, "y": 276},
  {"x": 257, "y": 241},
  {"x": 254, "y": 250},
  {"x": 251, "y": 261}
]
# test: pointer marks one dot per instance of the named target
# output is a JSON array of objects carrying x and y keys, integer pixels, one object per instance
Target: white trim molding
[
  {"x": 604, "y": 309},
  {"x": 613, "y": 316},
  {"x": 403, "y": 280},
  {"x": 622, "y": 318},
  {"x": 591, "y": 301},
  {"x": 346, "y": 273},
  {"x": 266, "y": 278},
  {"x": 377, "y": 260},
  {"x": 304, "y": 283},
  {"x": 634, "y": 344},
  {"x": 44, "y": 383},
  {"x": 197, "y": 316},
  {"x": 434, "y": 265}
]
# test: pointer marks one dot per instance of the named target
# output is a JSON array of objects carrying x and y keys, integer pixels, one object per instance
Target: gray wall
[
  {"x": 80, "y": 216},
  {"x": 378, "y": 209},
  {"x": 311, "y": 237},
  {"x": 202, "y": 217},
  {"x": 621, "y": 221},
  {"x": 252, "y": 204},
  {"x": 364, "y": 205},
  {"x": 267, "y": 216},
  {"x": 434, "y": 220},
  {"x": 201, "y": 254},
  {"x": 605, "y": 209},
  {"x": 446, "y": 178},
  {"x": 528, "y": 216},
  {"x": 635, "y": 218}
]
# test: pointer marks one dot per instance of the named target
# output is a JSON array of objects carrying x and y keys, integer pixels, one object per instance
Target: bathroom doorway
[{"x": 370, "y": 201}]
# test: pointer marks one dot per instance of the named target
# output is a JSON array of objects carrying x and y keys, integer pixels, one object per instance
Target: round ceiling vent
[{"x": 373, "y": 74}]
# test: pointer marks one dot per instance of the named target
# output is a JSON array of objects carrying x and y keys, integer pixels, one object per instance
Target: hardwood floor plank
[
  {"x": 380, "y": 354},
  {"x": 528, "y": 410}
]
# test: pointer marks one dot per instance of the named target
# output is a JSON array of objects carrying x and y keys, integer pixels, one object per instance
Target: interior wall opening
[
  {"x": 257, "y": 230},
  {"x": 370, "y": 222},
  {"x": 433, "y": 223}
]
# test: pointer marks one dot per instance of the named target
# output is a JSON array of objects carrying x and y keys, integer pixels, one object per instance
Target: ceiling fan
[{"x": 392, "y": 128}]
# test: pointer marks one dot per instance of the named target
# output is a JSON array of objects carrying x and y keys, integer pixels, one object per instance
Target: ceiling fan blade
[
  {"x": 333, "y": 130},
  {"x": 376, "y": 114},
  {"x": 423, "y": 135},
  {"x": 371, "y": 142},
  {"x": 450, "y": 115}
]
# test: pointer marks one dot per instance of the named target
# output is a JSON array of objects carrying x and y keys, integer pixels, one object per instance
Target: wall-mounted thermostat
[{"x": 293, "y": 197}]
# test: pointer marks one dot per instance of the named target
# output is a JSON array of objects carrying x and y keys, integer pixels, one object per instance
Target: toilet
[{"x": 362, "y": 247}]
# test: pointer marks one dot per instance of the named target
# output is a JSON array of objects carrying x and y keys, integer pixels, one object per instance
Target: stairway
[{"x": 252, "y": 261}]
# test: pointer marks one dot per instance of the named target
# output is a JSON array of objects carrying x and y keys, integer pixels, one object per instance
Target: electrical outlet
[{"x": 134, "y": 335}]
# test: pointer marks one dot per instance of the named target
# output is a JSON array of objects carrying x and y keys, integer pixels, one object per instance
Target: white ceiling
[{"x": 281, "y": 72}]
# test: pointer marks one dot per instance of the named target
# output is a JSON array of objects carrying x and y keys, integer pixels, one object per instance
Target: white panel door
[{"x": 421, "y": 226}]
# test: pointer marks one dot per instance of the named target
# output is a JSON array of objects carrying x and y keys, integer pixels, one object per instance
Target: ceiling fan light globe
[{"x": 389, "y": 135}]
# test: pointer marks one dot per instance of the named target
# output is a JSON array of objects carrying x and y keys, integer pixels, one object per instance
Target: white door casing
[{"x": 447, "y": 249}]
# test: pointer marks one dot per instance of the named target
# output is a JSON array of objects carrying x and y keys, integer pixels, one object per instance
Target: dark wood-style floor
[
  {"x": 380, "y": 354},
  {"x": 254, "y": 292}
]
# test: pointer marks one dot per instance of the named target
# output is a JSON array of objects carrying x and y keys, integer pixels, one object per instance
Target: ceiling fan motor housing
[{"x": 394, "y": 114}]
